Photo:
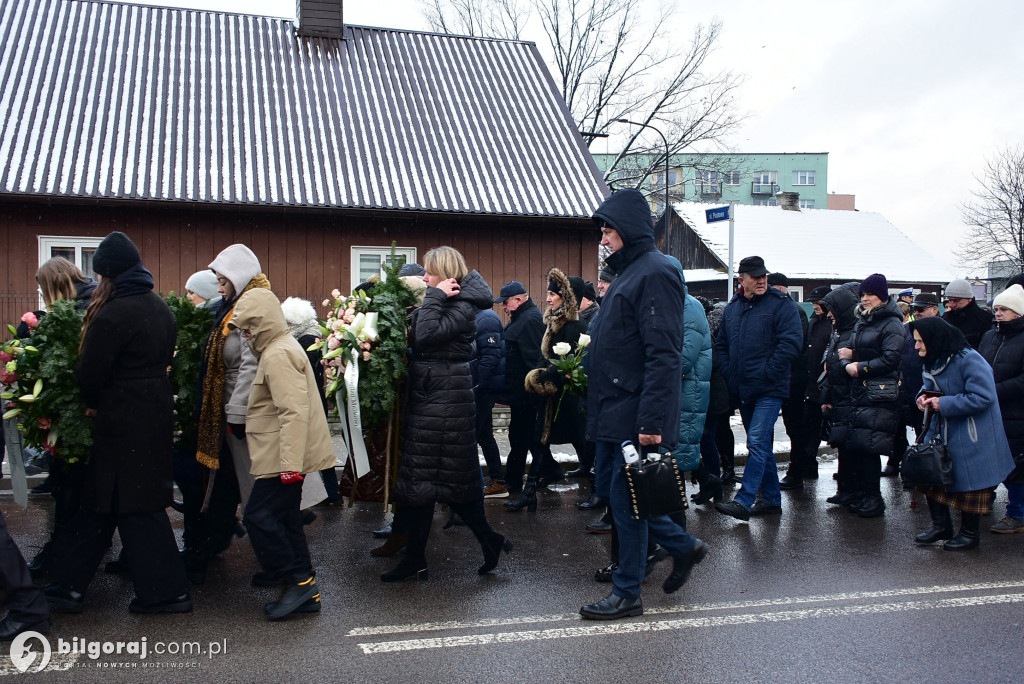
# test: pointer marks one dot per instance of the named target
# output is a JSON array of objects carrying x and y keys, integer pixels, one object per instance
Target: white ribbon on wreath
[{"x": 352, "y": 424}]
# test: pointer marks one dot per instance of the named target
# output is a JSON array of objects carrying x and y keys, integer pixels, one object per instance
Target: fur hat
[
  {"x": 298, "y": 311},
  {"x": 1012, "y": 298},
  {"x": 960, "y": 289},
  {"x": 238, "y": 264},
  {"x": 115, "y": 255},
  {"x": 875, "y": 284},
  {"x": 204, "y": 284}
]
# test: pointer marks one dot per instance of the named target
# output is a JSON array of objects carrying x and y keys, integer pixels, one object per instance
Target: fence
[{"x": 12, "y": 306}]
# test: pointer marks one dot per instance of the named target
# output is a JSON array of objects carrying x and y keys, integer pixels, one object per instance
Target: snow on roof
[
  {"x": 703, "y": 275},
  {"x": 817, "y": 243},
  {"x": 121, "y": 101}
]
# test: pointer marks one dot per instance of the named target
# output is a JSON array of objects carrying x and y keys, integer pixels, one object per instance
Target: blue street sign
[{"x": 717, "y": 214}]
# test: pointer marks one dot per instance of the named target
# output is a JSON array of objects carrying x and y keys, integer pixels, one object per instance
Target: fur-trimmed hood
[{"x": 555, "y": 319}]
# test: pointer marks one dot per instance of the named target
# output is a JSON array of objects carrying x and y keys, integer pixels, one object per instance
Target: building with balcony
[{"x": 752, "y": 179}]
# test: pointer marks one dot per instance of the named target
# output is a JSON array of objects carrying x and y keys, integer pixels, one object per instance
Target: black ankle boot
[
  {"x": 968, "y": 535},
  {"x": 527, "y": 499},
  {"x": 710, "y": 487},
  {"x": 942, "y": 525},
  {"x": 492, "y": 548},
  {"x": 408, "y": 569}
]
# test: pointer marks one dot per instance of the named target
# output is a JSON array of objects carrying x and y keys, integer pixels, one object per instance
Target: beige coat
[{"x": 285, "y": 426}]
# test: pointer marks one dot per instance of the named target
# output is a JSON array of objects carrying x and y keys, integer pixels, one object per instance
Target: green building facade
[{"x": 744, "y": 178}]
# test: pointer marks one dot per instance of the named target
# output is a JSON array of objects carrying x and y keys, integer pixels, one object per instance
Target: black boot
[
  {"x": 942, "y": 524},
  {"x": 527, "y": 498},
  {"x": 408, "y": 569},
  {"x": 967, "y": 538},
  {"x": 872, "y": 506},
  {"x": 710, "y": 487},
  {"x": 492, "y": 545}
]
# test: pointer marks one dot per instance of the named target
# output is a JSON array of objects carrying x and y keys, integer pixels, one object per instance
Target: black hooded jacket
[
  {"x": 522, "y": 335},
  {"x": 635, "y": 358},
  {"x": 972, "y": 321},
  {"x": 1003, "y": 348},
  {"x": 438, "y": 453}
]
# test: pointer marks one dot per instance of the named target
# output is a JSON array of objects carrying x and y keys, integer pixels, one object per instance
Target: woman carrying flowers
[
  {"x": 127, "y": 344},
  {"x": 561, "y": 418}
]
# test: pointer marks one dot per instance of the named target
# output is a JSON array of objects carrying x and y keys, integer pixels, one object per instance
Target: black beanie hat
[
  {"x": 115, "y": 255},
  {"x": 589, "y": 292},
  {"x": 607, "y": 275},
  {"x": 875, "y": 284},
  {"x": 553, "y": 287},
  {"x": 579, "y": 286}
]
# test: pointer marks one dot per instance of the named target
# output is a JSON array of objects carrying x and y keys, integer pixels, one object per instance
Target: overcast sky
[{"x": 908, "y": 97}]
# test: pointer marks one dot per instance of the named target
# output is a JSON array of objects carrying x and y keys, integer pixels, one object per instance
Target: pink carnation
[
  {"x": 30, "y": 319},
  {"x": 44, "y": 423},
  {"x": 5, "y": 357},
  {"x": 333, "y": 342}
]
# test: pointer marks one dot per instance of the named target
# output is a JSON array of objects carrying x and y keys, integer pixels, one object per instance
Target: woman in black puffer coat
[
  {"x": 439, "y": 460},
  {"x": 1003, "y": 348},
  {"x": 864, "y": 426}
]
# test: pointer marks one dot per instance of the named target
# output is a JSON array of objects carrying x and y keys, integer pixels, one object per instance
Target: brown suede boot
[{"x": 395, "y": 543}]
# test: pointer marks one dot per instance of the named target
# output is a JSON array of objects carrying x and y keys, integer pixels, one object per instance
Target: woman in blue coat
[{"x": 968, "y": 413}]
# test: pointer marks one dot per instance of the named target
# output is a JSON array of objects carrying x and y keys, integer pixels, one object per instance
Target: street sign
[{"x": 717, "y": 214}]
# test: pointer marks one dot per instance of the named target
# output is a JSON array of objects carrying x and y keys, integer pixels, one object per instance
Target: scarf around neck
[{"x": 211, "y": 411}]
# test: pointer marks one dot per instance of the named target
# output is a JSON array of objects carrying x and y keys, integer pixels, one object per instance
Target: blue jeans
[
  {"x": 1015, "y": 503},
  {"x": 761, "y": 471},
  {"x": 610, "y": 482}
]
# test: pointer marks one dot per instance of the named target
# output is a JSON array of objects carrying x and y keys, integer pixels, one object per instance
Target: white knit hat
[
  {"x": 204, "y": 284},
  {"x": 1012, "y": 298},
  {"x": 960, "y": 289}
]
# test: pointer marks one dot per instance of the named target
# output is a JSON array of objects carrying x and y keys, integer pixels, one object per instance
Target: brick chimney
[
  {"x": 319, "y": 18},
  {"x": 789, "y": 201}
]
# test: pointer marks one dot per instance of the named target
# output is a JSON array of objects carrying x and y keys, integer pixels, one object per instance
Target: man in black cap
[
  {"x": 803, "y": 460},
  {"x": 759, "y": 338},
  {"x": 604, "y": 280},
  {"x": 522, "y": 354}
]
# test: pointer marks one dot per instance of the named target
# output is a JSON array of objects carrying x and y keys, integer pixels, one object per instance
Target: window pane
[
  {"x": 65, "y": 252},
  {"x": 369, "y": 264},
  {"x": 87, "y": 254}
]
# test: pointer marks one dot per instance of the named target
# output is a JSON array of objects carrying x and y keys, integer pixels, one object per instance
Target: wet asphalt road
[{"x": 817, "y": 594}]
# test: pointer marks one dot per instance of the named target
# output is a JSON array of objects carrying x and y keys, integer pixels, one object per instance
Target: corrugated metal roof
[
  {"x": 109, "y": 100},
  {"x": 817, "y": 243}
]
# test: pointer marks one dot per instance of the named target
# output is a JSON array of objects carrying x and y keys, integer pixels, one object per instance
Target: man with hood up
[
  {"x": 287, "y": 434},
  {"x": 634, "y": 365}
]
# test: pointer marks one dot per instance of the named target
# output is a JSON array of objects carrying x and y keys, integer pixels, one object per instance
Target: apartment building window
[
  {"x": 765, "y": 183},
  {"x": 807, "y": 204},
  {"x": 368, "y": 261},
  {"x": 732, "y": 177},
  {"x": 803, "y": 178},
  {"x": 766, "y": 202},
  {"x": 673, "y": 179}
]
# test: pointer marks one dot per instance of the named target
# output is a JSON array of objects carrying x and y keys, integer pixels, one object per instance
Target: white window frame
[
  {"x": 807, "y": 204},
  {"x": 795, "y": 292},
  {"x": 804, "y": 177},
  {"x": 767, "y": 202},
  {"x": 766, "y": 177},
  {"x": 732, "y": 177},
  {"x": 384, "y": 252}
]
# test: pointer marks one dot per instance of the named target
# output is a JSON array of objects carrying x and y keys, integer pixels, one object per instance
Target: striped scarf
[{"x": 212, "y": 410}]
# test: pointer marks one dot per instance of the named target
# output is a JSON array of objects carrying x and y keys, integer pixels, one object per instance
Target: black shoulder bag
[
  {"x": 656, "y": 486},
  {"x": 927, "y": 465}
]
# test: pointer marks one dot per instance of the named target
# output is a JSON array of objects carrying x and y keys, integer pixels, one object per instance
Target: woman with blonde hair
[
  {"x": 58, "y": 279},
  {"x": 439, "y": 461}
]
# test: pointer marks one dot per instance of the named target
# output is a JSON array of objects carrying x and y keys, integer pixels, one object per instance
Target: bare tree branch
[
  {"x": 612, "y": 65},
  {"x": 995, "y": 217}
]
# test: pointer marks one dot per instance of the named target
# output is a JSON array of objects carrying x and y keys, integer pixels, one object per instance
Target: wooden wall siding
[{"x": 303, "y": 253}]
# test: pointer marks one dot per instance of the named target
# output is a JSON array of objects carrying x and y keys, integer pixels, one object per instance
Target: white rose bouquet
[{"x": 570, "y": 365}]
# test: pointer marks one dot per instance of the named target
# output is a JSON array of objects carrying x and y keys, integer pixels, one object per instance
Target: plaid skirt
[{"x": 978, "y": 501}]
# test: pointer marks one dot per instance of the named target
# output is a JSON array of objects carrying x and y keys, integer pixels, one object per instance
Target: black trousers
[
  {"x": 418, "y": 520},
  {"x": 274, "y": 523},
  {"x": 485, "y": 435},
  {"x": 804, "y": 452},
  {"x": 859, "y": 471},
  {"x": 522, "y": 437},
  {"x": 25, "y": 601},
  {"x": 149, "y": 547}
]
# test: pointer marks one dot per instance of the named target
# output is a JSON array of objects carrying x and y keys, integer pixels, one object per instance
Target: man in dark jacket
[
  {"x": 489, "y": 377},
  {"x": 522, "y": 354},
  {"x": 758, "y": 340},
  {"x": 963, "y": 312},
  {"x": 634, "y": 369},
  {"x": 803, "y": 459}
]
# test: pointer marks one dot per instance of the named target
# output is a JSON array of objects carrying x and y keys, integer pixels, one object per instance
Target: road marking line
[
  {"x": 731, "y": 605},
  {"x": 684, "y": 623}
]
